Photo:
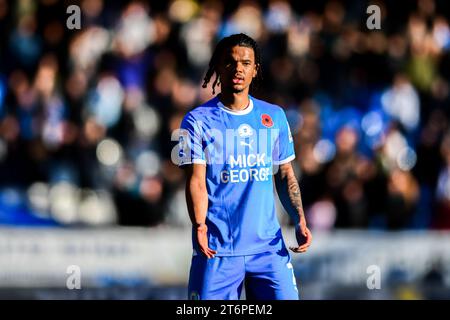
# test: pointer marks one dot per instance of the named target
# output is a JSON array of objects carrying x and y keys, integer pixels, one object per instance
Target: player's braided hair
[{"x": 226, "y": 43}]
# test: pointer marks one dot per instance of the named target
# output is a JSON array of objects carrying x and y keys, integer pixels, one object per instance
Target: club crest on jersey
[
  {"x": 245, "y": 131},
  {"x": 266, "y": 120}
]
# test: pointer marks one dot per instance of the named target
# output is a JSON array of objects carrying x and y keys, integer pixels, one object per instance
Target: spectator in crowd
[{"x": 91, "y": 113}]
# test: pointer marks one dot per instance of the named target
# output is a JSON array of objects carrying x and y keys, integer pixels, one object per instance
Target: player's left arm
[{"x": 288, "y": 191}]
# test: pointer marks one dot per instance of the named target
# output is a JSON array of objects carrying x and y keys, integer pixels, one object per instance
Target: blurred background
[{"x": 86, "y": 123}]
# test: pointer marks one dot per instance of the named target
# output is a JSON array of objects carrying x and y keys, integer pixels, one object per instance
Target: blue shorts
[{"x": 267, "y": 276}]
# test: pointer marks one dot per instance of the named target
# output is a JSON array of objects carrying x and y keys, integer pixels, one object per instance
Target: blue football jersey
[{"x": 241, "y": 150}]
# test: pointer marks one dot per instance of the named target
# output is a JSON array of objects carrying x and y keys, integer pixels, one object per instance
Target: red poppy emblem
[{"x": 266, "y": 120}]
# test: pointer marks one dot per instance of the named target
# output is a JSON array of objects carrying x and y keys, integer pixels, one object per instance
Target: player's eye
[{"x": 229, "y": 63}]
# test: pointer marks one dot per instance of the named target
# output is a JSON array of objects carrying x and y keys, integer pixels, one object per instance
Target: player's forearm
[
  {"x": 289, "y": 193},
  {"x": 197, "y": 200}
]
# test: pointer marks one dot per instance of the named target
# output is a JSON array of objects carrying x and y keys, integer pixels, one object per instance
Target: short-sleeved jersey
[{"x": 240, "y": 151}]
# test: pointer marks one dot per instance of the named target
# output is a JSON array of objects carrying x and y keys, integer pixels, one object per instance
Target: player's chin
[{"x": 238, "y": 88}]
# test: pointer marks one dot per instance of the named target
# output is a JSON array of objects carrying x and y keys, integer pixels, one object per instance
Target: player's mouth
[{"x": 238, "y": 80}]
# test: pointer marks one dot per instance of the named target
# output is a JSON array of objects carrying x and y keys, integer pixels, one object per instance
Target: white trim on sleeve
[
  {"x": 194, "y": 161},
  {"x": 288, "y": 159},
  {"x": 199, "y": 161}
]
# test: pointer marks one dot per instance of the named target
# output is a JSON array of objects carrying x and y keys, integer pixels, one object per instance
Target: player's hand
[
  {"x": 304, "y": 238},
  {"x": 202, "y": 240}
]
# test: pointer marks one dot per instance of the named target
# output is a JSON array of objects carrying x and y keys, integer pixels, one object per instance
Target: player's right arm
[{"x": 197, "y": 203}]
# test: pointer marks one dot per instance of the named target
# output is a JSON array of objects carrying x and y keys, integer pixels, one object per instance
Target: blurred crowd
[{"x": 87, "y": 116}]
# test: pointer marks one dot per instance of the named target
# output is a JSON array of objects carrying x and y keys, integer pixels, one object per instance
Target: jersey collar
[{"x": 234, "y": 112}]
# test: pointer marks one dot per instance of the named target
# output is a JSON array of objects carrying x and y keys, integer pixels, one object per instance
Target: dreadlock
[{"x": 226, "y": 43}]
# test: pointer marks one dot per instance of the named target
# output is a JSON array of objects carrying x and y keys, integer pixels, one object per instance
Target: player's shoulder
[
  {"x": 201, "y": 111},
  {"x": 268, "y": 107}
]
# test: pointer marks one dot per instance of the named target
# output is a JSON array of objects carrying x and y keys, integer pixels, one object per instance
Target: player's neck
[{"x": 235, "y": 101}]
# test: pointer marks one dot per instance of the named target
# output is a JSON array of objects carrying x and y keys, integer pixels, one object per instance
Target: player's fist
[{"x": 303, "y": 236}]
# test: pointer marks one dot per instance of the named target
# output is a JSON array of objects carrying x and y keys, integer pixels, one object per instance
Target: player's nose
[{"x": 239, "y": 68}]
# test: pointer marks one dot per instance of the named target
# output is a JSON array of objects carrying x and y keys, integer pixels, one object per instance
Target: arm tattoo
[
  {"x": 289, "y": 193},
  {"x": 294, "y": 195}
]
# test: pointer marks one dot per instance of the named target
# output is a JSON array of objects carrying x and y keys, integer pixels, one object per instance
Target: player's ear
[{"x": 255, "y": 71}]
